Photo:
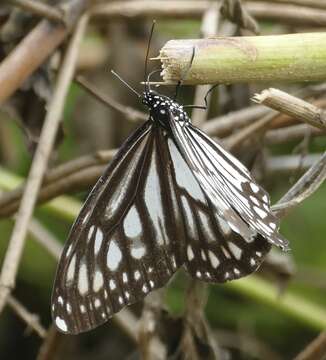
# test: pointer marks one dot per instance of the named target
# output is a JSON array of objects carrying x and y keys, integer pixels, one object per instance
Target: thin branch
[
  {"x": 290, "y": 163},
  {"x": 40, "y": 9},
  {"x": 225, "y": 124},
  {"x": 315, "y": 350},
  {"x": 129, "y": 112},
  {"x": 45, "y": 238},
  {"x": 303, "y": 188},
  {"x": 307, "y": 3},
  {"x": 39, "y": 165},
  {"x": 49, "y": 347},
  {"x": 293, "y": 106},
  {"x": 236, "y": 12},
  {"x": 282, "y": 13},
  {"x": 290, "y": 133},
  {"x": 31, "y": 320},
  {"x": 34, "y": 49},
  {"x": 69, "y": 177},
  {"x": 234, "y": 141}
]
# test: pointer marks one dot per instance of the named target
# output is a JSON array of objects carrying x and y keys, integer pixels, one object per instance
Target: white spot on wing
[
  {"x": 236, "y": 251},
  {"x": 98, "y": 241},
  {"x": 132, "y": 224},
  {"x": 98, "y": 281},
  {"x": 236, "y": 271},
  {"x": 90, "y": 232},
  {"x": 71, "y": 270},
  {"x": 190, "y": 253},
  {"x": 119, "y": 194},
  {"x": 61, "y": 324},
  {"x": 191, "y": 225},
  {"x": 97, "y": 303},
  {"x": 86, "y": 217},
  {"x": 206, "y": 227},
  {"x": 254, "y": 200},
  {"x": 137, "y": 275},
  {"x": 125, "y": 278},
  {"x": 254, "y": 187},
  {"x": 214, "y": 259},
  {"x": 114, "y": 256},
  {"x": 83, "y": 279},
  {"x": 184, "y": 177},
  {"x": 69, "y": 250},
  {"x": 262, "y": 213},
  {"x": 203, "y": 255},
  {"x": 138, "y": 252},
  {"x": 112, "y": 284},
  {"x": 272, "y": 225},
  {"x": 68, "y": 307},
  {"x": 153, "y": 201},
  {"x": 225, "y": 227}
]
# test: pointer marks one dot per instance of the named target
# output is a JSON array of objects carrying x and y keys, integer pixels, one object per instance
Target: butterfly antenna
[
  {"x": 152, "y": 73},
  {"x": 147, "y": 88},
  {"x": 124, "y": 82}
]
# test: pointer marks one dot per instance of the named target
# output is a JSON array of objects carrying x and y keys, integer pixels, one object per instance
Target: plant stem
[
  {"x": 291, "y": 58},
  {"x": 63, "y": 206},
  {"x": 289, "y": 303}
]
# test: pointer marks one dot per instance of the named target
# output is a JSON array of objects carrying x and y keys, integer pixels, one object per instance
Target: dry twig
[
  {"x": 236, "y": 12},
  {"x": 303, "y": 188},
  {"x": 40, "y": 9},
  {"x": 283, "y": 13},
  {"x": 30, "y": 319},
  {"x": 129, "y": 112},
  {"x": 293, "y": 106},
  {"x": 315, "y": 350},
  {"x": 34, "y": 49},
  {"x": 39, "y": 165}
]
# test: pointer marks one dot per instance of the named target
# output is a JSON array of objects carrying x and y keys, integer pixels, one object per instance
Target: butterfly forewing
[{"x": 125, "y": 241}]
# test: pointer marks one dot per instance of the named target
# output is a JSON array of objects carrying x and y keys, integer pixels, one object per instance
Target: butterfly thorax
[{"x": 161, "y": 107}]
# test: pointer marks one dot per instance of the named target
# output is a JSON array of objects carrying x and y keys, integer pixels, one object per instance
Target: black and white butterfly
[{"x": 171, "y": 197}]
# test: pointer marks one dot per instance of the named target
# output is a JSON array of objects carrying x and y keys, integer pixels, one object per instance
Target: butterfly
[{"x": 171, "y": 197}]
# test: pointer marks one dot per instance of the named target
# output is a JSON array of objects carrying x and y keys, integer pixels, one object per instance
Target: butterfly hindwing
[{"x": 213, "y": 252}]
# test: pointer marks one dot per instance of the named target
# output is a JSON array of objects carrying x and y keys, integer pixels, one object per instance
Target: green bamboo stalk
[
  {"x": 260, "y": 290},
  {"x": 290, "y": 58}
]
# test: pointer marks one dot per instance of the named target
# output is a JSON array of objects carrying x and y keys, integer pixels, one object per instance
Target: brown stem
[{"x": 39, "y": 165}]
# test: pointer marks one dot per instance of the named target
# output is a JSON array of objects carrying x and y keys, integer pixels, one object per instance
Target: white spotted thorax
[
  {"x": 171, "y": 197},
  {"x": 160, "y": 107}
]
